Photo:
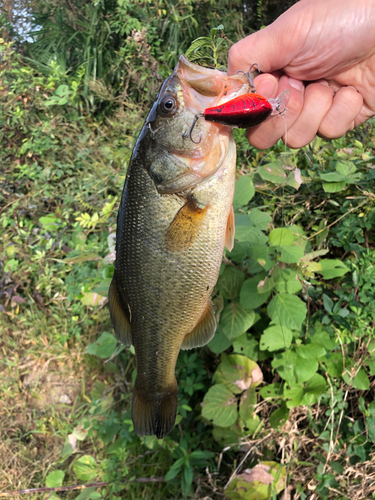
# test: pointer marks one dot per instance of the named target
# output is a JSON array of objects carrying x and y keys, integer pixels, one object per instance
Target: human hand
[{"x": 330, "y": 43}]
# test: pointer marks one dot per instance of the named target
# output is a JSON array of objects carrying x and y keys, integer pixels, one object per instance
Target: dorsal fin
[
  {"x": 185, "y": 226},
  {"x": 229, "y": 236},
  {"x": 204, "y": 330},
  {"x": 119, "y": 315}
]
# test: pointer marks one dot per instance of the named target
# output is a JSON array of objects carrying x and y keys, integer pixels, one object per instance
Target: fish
[
  {"x": 248, "y": 110},
  {"x": 175, "y": 218}
]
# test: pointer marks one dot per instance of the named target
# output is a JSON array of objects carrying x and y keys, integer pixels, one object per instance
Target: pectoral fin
[
  {"x": 229, "y": 236},
  {"x": 119, "y": 315},
  {"x": 203, "y": 332},
  {"x": 185, "y": 226}
]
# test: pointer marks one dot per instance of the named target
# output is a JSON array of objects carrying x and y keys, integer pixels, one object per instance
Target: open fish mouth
[{"x": 208, "y": 85}]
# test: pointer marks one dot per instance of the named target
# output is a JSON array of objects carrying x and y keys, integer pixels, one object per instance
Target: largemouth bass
[{"x": 174, "y": 219}]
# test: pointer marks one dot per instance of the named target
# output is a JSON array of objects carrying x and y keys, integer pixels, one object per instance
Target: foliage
[
  {"x": 287, "y": 381},
  {"x": 201, "y": 48}
]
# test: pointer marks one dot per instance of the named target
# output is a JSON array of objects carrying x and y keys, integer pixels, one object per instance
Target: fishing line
[{"x": 286, "y": 362}]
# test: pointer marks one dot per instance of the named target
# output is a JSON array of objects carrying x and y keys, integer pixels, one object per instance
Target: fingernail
[
  {"x": 323, "y": 82},
  {"x": 267, "y": 87},
  {"x": 351, "y": 87},
  {"x": 296, "y": 84}
]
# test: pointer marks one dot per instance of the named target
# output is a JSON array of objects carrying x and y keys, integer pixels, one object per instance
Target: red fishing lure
[
  {"x": 243, "y": 111},
  {"x": 247, "y": 110}
]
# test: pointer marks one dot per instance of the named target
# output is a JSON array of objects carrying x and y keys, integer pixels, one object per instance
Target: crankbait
[
  {"x": 244, "y": 111},
  {"x": 247, "y": 111}
]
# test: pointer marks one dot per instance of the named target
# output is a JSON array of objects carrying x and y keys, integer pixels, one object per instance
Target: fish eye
[{"x": 168, "y": 105}]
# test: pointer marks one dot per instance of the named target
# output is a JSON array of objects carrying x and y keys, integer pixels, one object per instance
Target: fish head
[
  {"x": 182, "y": 149},
  {"x": 184, "y": 95}
]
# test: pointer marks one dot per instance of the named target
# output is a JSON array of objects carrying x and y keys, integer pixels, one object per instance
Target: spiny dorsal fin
[
  {"x": 204, "y": 330},
  {"x": 185, "y": 226},
  {"x": 229, "y": 236},
  {"x": 119, "y": 316}
]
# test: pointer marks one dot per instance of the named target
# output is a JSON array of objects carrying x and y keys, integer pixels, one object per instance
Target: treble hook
[
  {"x": 188, "y": 134},
  {"x": 248, "y": 74}
]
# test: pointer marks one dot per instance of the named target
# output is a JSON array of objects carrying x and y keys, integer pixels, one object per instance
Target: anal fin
[
  {"x": 203, "y": 331},
  {"x": 229, "y": 236},
  {"x": 119, "y": 317},
  {"x": 185, "y": 226}
]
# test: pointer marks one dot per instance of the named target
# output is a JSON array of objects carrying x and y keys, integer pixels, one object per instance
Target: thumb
[
  {"x": 263, "y": 47},
  {"x": 273, "y": 48}
]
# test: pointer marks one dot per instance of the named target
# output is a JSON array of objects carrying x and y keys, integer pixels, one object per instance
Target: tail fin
[{"x": 154, "y": 413}]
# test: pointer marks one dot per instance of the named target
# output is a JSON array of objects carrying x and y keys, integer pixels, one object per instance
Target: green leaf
[
  {"x": 238, "y": 373},
  {"x": 322, "y": 338},
  {"x": 273, "y": 172},
  {"x": 250, "y": 298},
  {"x": 334, "y": 187},
  {"x": 290, "y": 254},
  {"x": 239, "y": 253},
  {"x": 219, "y": 342},
  {"x": 62, "y": 90},
  {"x": 247, "y": 345},
  {"x": 252, "y": 235},
  {"x": 360, "y": 381},
  {"x": 261, "y": 258},
  {"x": 314, "y": 388},
  {"x": 305, "y": 368},
  {"x": 276, "y": 337},
  {"x": 333, "y": 177},
  {"x": 197, "y": 45},
  {"x": 327, "y": 303},
  {"x": 293, "y": 394},
  {"x": 279, "y": 417},
  {"x": 346, "y": 168},
  {"x": 370, "y": 425},
  {"x": 201, "y": 456},
  {"x": 175, "y": 469},
  {"x": 104, "y": 347},
  {"x": 88, "y": 494},
  {"x": 188, "y": 475},
  {"x": 286, "y": 280},
  {"x": 284, "y": 365},
  {"x": 102, "y": 288},
  {"x": 235, "y": 320},
  {"x": 281, "y": 236},
  {"x": 260, "y": 219},
  {"x": 214, "y": 30},
  {"x": 220, "y": 406},
  {"x": 230, "y": 282},
  {"x": 273, "y": 391},
  {"x": 310, "y": 351},
  {"x": 55, "y": 479},
  {"x": 244, "y": 192},
  {"x": 85, "y": 468},
  {"x": 334, "y": 365},
  {"x": 332, "y": 268},
  {"x": 287, "y": 310},
  {"x": 50, "y": 223}
]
